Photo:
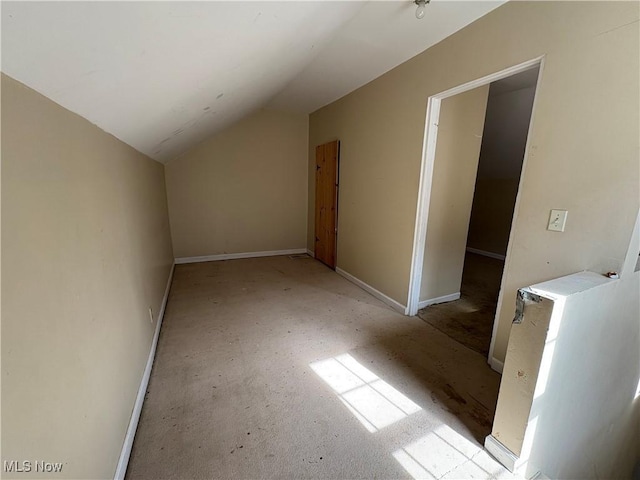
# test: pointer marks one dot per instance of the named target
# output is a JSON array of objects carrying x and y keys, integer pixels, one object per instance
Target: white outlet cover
[{"x": 557, "y": 220}]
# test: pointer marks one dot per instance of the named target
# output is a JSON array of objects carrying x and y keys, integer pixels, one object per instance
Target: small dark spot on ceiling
[
  {"x": 219, "y": 96},
  {"x": 206, "y": 108}
]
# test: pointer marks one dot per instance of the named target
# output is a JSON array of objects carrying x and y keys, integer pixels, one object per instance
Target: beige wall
[
  {"x": 460, "y": 129},
  {"x": 501, "y": 155},
  {"x": 243, "y": 190},
  {"x": 490, "y": 224},
  {"x": 85, "y": 251},
  {"x": 583, "y": 154}
]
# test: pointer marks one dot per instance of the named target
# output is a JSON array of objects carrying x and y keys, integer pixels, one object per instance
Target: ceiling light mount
[{"x": 421, "y": 5}]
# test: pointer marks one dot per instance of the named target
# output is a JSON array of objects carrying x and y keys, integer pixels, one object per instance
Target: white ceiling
[{"x": 163, "y": 76}]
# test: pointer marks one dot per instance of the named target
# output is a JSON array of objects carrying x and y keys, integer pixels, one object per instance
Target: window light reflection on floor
[
  {"x": 374, "y": 402},
  {"x": 444, "y": 453}
]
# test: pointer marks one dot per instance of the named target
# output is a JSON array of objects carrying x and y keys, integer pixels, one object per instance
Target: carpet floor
[
  {"x": 279, "y": 368},
  {"x": 469, "y": 320}
]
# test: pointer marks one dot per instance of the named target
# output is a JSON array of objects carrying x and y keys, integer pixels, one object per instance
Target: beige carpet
[
  {"x": 279, "y": 368},
  {"x": 469, "y": 320}
]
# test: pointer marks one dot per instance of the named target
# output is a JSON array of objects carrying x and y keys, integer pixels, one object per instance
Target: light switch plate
[{"x": 557, "y": 220}]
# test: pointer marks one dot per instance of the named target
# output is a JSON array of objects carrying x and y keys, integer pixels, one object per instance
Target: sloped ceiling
[{"x": 163, "y": 76}]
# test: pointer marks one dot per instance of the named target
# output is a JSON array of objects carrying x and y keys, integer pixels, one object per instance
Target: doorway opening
[{"x": 473, "y": 156}]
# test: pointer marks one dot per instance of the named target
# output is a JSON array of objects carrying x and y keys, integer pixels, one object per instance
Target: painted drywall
[
  {"x": 493, "y": 203},
  {"x": 505, "y": 132},
  {"x": 583, "y": 152},
  {"x": 570, "y": 441},
  {"x": 556, "y": 376},
  {"x": 219, "y": 61},
  {"x": 86, "y": 251},
  {"x": 250, "y": 52},
  {"x": 501, "y": 155},
  {"x": 460, "y": 129},
  {"x": 243, "y": 190}
]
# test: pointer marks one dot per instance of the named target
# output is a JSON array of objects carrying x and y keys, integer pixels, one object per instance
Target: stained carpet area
[
  {"x": 279, "y": 368},
  {"x": 469, "y": 320}
]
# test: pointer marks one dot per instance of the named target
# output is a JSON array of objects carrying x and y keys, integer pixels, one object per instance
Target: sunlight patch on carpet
[{"x": 374, "y": 402}]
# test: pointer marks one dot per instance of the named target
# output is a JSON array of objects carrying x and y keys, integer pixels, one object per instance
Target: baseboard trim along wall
[
  {"x": 496, "y": 365},
  {"x": 445, "y": 298},
  {"x": 501, "y": 453},
  {"x": 235, "y": 256},
  {"x": 485, "y": 253},
  {"x": 311, "y": 253},
  {"x": 121, "y": 469},
  {"x": 369, "y": 289}
]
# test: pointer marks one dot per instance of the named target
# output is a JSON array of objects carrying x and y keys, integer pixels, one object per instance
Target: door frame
[{"x": 426, "y": 178}]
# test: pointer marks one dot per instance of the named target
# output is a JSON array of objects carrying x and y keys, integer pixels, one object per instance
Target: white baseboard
[
  {"x": 485, "y": 253},
  {"x": 121, "y": 469},
  {"x": 369, "y": 289},
  {"x": 235, "y": 256},
  {"x": 311, "y": 253},
  {"x": 501, "y": 453},
  {"x": 445, "y": 298},
  {"x": 496, "y": 365}
]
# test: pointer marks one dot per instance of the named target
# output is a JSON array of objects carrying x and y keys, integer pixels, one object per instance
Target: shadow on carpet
[{"x": 469, "y": 320}]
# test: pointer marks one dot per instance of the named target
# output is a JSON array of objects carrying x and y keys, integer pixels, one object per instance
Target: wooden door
[{"x": 327, "y": 202}]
